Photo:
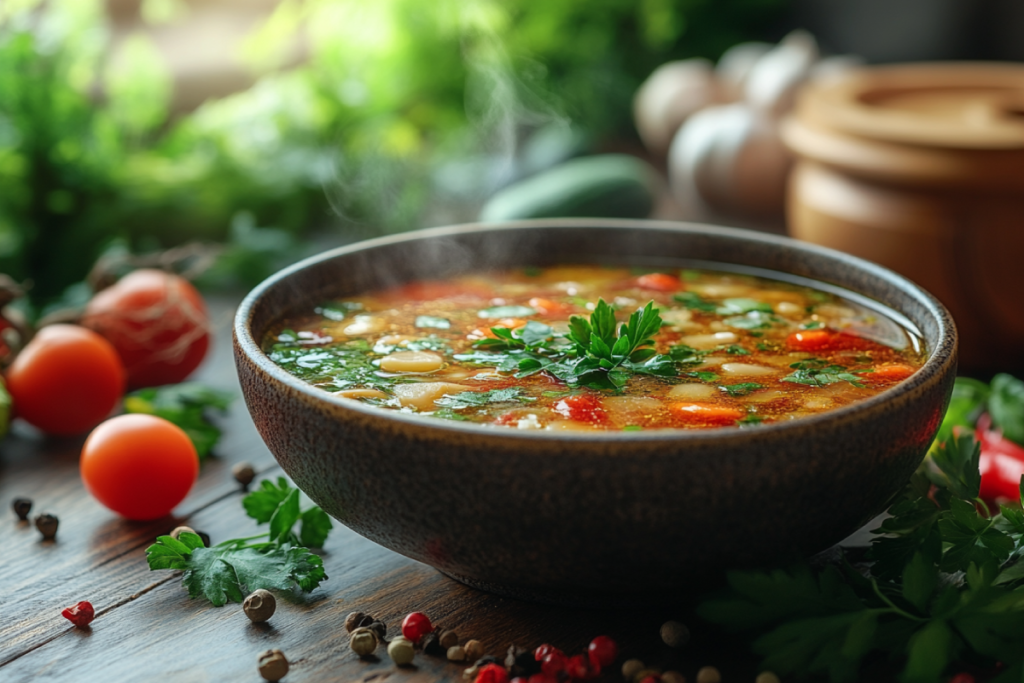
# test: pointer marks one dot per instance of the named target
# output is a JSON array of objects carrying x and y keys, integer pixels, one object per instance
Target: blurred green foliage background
[{"x": 401, "y": 114}]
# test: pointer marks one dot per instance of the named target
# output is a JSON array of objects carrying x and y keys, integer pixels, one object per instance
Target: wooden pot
[{"x": 920, "y": 168}]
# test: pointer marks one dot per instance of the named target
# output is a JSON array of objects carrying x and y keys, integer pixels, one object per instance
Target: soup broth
[{"x": 599, "y": 348}]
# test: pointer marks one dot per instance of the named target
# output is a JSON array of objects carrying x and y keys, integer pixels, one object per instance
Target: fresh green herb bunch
[
  {"x": 275, "y": 560},
  {"x": 945, "y": 584},
  {"x": 597, "y": 352}
]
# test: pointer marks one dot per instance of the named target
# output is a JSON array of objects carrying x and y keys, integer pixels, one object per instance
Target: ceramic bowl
[{"x": 576, "y": 516}]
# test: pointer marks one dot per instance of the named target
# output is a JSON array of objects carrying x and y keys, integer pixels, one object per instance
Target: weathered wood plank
[{"x": 162, "y": 631}]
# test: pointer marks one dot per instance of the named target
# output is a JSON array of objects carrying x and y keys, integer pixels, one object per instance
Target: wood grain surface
[{"x": 148, "y": 629}]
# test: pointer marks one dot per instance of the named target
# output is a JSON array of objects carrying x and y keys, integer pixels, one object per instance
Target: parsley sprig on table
[
  {"x": 274, "y": 560},
  {"x": 945, "y": 583},
  {"x": 596, "y": 352}
]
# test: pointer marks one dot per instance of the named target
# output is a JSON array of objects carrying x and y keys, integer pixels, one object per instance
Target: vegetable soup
[{"x": 599, "y": 348}]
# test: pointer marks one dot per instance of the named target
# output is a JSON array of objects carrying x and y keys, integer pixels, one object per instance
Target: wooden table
[{"x": 147, "y": 628}]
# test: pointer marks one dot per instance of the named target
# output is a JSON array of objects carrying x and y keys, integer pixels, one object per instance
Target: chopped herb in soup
[{"x": 584, "y": 348}]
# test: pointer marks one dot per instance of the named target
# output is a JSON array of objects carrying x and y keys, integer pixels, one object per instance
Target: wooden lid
[{"x": 946, "y": 123}]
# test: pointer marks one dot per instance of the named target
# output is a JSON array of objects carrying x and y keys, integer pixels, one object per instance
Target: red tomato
[
  {"x": 583, "y": 408},
  {"x": 140, "y": 466},
  {"x": 549, "y": 307},
  {"x": 1001, "y": 463},
  {"x": 66, "y": 380},
  {"x": 158, "y": 323},
  {"x": 889, "y": 373},
  {"x": 659, "y": 282}
]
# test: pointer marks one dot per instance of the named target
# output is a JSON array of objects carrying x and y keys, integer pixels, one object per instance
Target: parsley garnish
[
  {"x": 597, "y": 352},
  {"x": 506, "y": 312},
  {"x": 946, "y": 582},
  {"x": 741, "y": 389},
  {"x": 233, "y": 569},
  {"x": 695, "y": 302},
  {"x": 469, "y": 399},
  {"x": 187, "y": 405},
  {"x": 742, "y": 306},
  {"x": 815, "y": 372}
]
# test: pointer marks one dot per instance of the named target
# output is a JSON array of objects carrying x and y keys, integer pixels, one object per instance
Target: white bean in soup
[{"x": 589, "y": 348}]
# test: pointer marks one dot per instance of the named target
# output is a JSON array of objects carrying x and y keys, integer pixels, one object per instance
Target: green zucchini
[{"x": 607, "y": 185}]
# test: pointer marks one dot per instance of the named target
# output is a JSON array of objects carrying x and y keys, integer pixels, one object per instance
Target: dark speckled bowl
[{"x": 575, "y": 516}]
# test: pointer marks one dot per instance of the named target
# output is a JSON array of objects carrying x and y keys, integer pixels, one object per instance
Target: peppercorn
[
  {"x": 363, "y": 641},
  {"x": 491, "y": 673},
  {"x": 650, "y": 678},
  {"x": 770, "y": 677},
  {"x": 643, "y": 674},
  {"x": 456, "y": 653},
  {"x": 632, "y": 667},
  {"x": 675, "y": 634},
  {"x": 709, "y": 674},
  {"x": 401, "y": 651},
  {"x": 674, "y": 677},
  {"x": 22, "y": 506},
  {"x": 356, "y": 620},
  {"x": 47, "y": 525},
  {"x": 81, "y": 614},
  {"x": 474, "y": 650},
  {"x": 379, "y": 629},
  {"x": 259, "y": 606},
  {"x": 416, "y": 625},
  {"x": 243, "y": 473},
  {"x": 520, "y": 662},
  {"x": 273, "y": 665},
  {"x": 448, "y": 639},
  {"x": 431, "y": 644},
  {"x": 485, "y": 660}
]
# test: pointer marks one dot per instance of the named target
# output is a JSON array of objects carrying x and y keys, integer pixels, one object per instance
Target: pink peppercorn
[
  {"x": 553, "y": 663},
  {"x": 415, "y": 626},
  {"x": 603, "y": 651},
  {"x": 491, "y": 673},
  {"x": 80, "y": 615},
  {"x": 582, "y": 668}
]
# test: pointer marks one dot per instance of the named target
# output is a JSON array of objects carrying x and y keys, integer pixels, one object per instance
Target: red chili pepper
[
  {"x": 80, "y": 615},
  {"x": 1001, "y": 463}
]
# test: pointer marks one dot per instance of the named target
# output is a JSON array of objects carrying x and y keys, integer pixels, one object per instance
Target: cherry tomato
[
  {"x": 140, "y": 466},
  {"x": 66, "y": 380},
  {"x": 158, "y": 323}
]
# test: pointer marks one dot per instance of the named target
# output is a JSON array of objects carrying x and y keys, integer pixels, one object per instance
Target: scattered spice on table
[
  {"x": 21, "y": 507},
  {"x": 243, "y": 473},
  {"x": 363, "y": 641},
  {"x": 259, "y": 606},
  {"x": 80, "y": 614},
  {"x": 47, "y": 525},
  {"x": 401, "y": 651},
  {"x": 272, "y": 665}
]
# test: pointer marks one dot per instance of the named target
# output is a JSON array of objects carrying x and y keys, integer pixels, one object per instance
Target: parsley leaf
[
  {"x": 506, "y": 312},
  {"x": 742, "y": 306},
  {"x": 468, "y": 399},
  {"x": 819, "y": 373},
  {"x": 432, "y": 321},
  {"x": 1006, "y": 405},
  {"x": 695, "y": 302},
  {"x": 187, "y": 405},
  {"x": 741, "y": 389},
  {"x": 233, "y": 569}
]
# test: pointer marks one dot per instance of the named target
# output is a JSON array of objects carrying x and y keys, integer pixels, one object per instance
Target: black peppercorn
[
  {"x": 431, "y": 645},
  {"x": 485, "y": 660},
  {"x": 22, "y": 506},
  {"x": 47, "y": 525},
  {"x": 357, "y": 620},
  {"x": 379, "y": 629},
  {"x": 521, "y": 663},
  {"x": 259, "y": 606},
  {"x": 243, "y": 473}
]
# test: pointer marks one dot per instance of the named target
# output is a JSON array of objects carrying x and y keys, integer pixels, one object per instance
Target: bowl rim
[{"x": 937, "y": 360}]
